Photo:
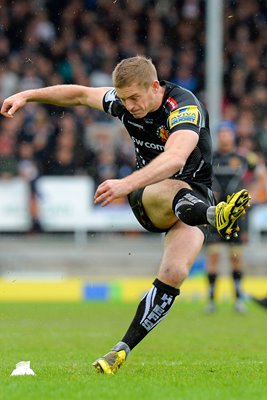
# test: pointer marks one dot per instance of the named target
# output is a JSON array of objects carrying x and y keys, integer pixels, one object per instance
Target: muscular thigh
[{"x": 157, "y": 201}]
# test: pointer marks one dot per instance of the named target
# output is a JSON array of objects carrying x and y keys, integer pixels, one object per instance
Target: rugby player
[
  {"x": 170, "y": 191},
  {"x": 229, "y": 172}
]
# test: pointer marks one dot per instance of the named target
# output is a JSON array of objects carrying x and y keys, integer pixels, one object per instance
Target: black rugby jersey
[
  {"x": 229, "y": 171},
  {"x": 180, "y": 109}
]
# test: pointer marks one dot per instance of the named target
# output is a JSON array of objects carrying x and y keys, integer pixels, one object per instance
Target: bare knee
[{"x": 173, "y": 276}]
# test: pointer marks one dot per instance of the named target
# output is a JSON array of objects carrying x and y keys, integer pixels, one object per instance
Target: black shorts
[{"x": 135, "y": 201}]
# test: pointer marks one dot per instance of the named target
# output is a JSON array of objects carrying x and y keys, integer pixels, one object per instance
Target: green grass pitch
[{"x": 189, "y": 355}]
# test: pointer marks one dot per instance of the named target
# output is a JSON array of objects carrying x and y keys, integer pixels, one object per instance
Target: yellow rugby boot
[
  {"x": 110, "y": 362},
  {"x": 227, "y": 213}
]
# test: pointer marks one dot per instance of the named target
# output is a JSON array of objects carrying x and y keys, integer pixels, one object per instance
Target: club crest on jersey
[
  {"x": 184, "y": 115},
  {"x": 234, "y": 162},
  {"x": 163, "y": 133}
]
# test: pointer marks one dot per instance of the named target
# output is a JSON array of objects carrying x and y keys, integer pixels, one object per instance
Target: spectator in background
[
  {"x": 106, "y": 166},
  {"x": 125, "y": 155},
  {"x": 27, "y": 169},
  {"x": 9, "y": 80},
  {"x": 261, "y": 136},
  {"x": 8, "y": 162},
  {"x": 62, "y": 162},
  {"x": 185, "y": 77},
  {"x": 258, "y": 186},
  {"x": 73, "y": 41},
  {"x": 26, "y": 164},
  {"x": 65, "y": 151}
]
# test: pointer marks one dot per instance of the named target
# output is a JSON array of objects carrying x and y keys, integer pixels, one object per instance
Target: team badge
[
  {"x": 234, "y": 162},
  {"x": 163, "y": 133},
  {"x": 184, "y": 115}
]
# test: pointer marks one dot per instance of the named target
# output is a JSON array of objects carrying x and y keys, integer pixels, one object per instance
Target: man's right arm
[{"x": 60, "y": 95}]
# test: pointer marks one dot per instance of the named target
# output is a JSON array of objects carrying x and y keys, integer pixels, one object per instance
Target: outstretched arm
[{"x": 60, "y": 95}]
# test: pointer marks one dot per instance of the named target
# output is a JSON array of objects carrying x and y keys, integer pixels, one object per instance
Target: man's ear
[{"x": 155, "y": 86}]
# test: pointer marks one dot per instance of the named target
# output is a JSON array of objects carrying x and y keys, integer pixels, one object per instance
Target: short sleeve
[
  {"x": 111, "y": 103},
  {"x": 186, "y": 117}
]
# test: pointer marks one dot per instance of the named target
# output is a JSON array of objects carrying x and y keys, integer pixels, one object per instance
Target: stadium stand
[{"x": 74, "y": 41}]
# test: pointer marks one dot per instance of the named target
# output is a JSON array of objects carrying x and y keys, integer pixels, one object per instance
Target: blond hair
[{"x": 137, "y": 69}]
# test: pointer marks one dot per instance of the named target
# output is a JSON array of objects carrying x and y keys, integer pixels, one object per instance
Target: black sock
[
  {"x": 151, "y": 310},
  {"x": 212, "y": 281},
  {"x": 189, "y": 208},
  {"x": 237, "y": 276}
]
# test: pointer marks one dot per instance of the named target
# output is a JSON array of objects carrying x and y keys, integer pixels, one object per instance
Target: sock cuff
[
  {"x": 237, "y": 274},
  {"x": 190, "y": 208},
  {"x": 213, "y": 274},
  {"x": 212, "y": 277},
  {"x": 179, "y": 195},
  {"x": 166, "y": 288},
  {"x": 122, "y": 346}
]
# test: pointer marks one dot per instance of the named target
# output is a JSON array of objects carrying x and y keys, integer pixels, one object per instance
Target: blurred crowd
[{"x": 48, "y": 42}]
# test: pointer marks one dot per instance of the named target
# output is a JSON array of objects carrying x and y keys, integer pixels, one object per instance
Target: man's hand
[
  {"x": 12, "y": 104},
  {"x": 110, "y": 190}
]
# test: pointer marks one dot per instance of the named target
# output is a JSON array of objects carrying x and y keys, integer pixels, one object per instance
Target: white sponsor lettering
[
  {"x": 148, "y": 145},
  {"x": 135, "y": 124},
  {"x": 137, "y": 141},
  {"x": 157, "y": 313},
  {"x": 154, "y": 146}
]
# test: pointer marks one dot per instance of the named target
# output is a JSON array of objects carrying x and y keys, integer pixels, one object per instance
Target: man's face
[
  {"x": 138, "y": 100},
  {"x": 226, "y": 140}
]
